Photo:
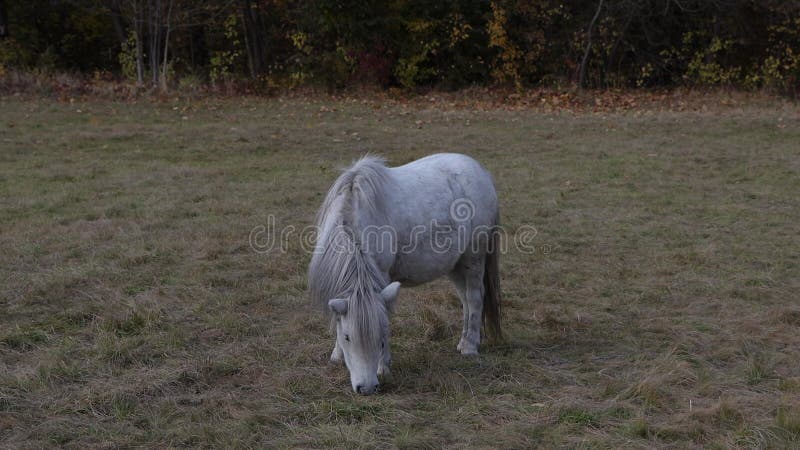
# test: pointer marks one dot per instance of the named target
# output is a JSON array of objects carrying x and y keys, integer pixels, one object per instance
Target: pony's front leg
[
  {"x": 385, "y": 363},
  {"x": 464, "y": 327},
  {"x": 336, "y": 354}
]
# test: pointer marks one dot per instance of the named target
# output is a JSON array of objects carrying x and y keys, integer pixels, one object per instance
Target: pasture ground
[{"x": 660, "y": 309}]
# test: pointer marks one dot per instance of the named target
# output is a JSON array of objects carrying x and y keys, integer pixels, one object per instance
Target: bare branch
[{"x": 582, "y": 75}]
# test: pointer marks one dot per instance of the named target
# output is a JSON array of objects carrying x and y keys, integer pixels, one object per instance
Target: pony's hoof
[
  {"x": 466, "y": 347},
  {"x": 469, "y": 351},
  {"x": 383, "y": 371}
]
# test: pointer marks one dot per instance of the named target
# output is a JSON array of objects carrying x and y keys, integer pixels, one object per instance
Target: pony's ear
[
  {"x": 389, "y": 294},
  {"x": 338, "y": 306}
]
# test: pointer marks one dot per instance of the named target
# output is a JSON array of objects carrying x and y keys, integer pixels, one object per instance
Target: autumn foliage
[{"x": 410, "y": 44}]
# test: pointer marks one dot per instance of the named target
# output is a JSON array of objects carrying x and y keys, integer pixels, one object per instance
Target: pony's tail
[{"x": 491, "y": 288}]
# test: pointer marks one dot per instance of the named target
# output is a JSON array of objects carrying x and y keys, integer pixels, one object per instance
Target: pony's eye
[
  {"x": 347, "y": 337},
  {"x": 382, "y": 344}
]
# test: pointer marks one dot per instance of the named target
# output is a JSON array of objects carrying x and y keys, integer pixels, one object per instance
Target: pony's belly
[
  {"x": 413, "y": 271},
  {"x": 415, "y": 281}
]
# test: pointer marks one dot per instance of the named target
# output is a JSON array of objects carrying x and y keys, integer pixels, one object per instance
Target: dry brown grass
[{"x": 660, "y": 309}]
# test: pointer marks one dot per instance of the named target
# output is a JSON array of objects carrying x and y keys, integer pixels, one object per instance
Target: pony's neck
[{"x": 354, "y": 202}]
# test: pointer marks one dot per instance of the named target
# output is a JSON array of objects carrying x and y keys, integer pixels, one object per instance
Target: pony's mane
[{"x": 339, "y": 268}]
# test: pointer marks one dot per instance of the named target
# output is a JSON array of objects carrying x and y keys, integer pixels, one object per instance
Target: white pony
[{"x": 381, "y": 226}]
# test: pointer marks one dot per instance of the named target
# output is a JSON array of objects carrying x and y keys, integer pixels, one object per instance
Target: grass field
[{"x": 660, "y": 309}]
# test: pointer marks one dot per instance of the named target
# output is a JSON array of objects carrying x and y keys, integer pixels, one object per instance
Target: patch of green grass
[
  {"x": 790, "y": 384},
  {"x": 212, "y": 370},
  {"x": 788, "y": 419},
  {"x": 577, "y": 416},
  {"x": 131, "y": 322},
  {"x": 347, "y": 411},
  {"x": 638, "y": 428},
  {"x": 22, "y": 340},
  {"x": 757, "y": 370},
  {"x": 60, "y": 365},
  {"x": 123, "y": 406},
  {"x": 133, "y": 290}
]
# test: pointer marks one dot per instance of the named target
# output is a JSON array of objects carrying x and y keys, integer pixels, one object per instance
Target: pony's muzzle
[{"x": 366, "y": 389}]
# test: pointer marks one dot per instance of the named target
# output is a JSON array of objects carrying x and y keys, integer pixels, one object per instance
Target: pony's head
[{"x": 362, "y": 334}]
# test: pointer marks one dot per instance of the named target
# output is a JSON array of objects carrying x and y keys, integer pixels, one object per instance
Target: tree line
[{"x": 445, "y": 44}]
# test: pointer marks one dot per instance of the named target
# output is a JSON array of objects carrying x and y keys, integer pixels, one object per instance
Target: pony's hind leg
[
  {"x": 470, "y": 271},
  {"x": 458, "y": 280}
]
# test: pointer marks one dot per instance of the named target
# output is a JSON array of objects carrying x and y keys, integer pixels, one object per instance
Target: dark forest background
[{"x": 409, "y": 43}]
